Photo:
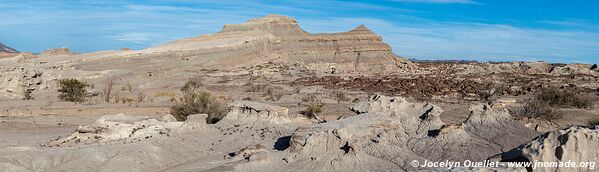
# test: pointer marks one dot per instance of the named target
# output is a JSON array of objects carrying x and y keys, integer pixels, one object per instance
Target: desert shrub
[
  {"x": 107, "y": 90},
  {"x": 252, "y": 87},
  {"x": 312, "y": 110},
  {"x": 297, "y": 90},
  {"x": 192, "y": 85},
  {"x": 141, "y": 97},
  {"x": 309, "y": 98},
  {"x": 272, "y": 95},
  {"x": 537, "y": 109},
  {"x": 340, "y": 96},
  {"x": 27, "y": 94},
  {"x": 485, "y": 95},
  {"x": 72, "y": 90},
  {"x": 199, "y": 102},
  {"x": 127, "y": 87},
  {"x": 562, "y": 98},
  {"x": 593, "y": 122}
]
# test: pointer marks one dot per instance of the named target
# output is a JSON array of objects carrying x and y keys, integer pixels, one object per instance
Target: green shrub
[
  {"x": 72, "y": 90},
  {"x": 199, "y": 102}
]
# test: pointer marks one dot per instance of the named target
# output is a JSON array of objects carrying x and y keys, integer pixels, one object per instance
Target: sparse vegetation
[
  {"x": 107, "y": 91},
  {"x": 485, "y": 95},
  {"x": 593, "y": 122},
  {"x": 545, "y": 105},
  {"x": 313, "y": 110},
  {"x": 127, "y": 87},
  {"x": 255, "y": 87},
  {"x": 562, "y": 98},
  {"x": 141, "y": 97},
  {"x": 72, "y": 90},
  {"x": 199, "y": 102},
  {"x": 272, "y": 95},
  {"x": 340, "y": 96},
  {"x": 27, "y": 95},
  {"x": 192, "y": 85},
  {"x": 537, "y": 109}
]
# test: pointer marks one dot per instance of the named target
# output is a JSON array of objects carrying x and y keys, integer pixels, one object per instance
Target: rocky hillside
[
  {"x": 276, "y": 38},
  {"x": 6, "y": 49}
]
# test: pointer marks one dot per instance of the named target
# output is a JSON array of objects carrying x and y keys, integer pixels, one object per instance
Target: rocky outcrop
[
  {"x": 574, "y": 69},
  {"x": 571, "y": 145},
  {"x": 249, "y": 112},
  {"x": 527, "y": 68},
  {"x": 125, "y": 128},
  {"x": 20, "y": 79},
  {"x": 389, "y": 132},
  {"x": 56, "y": 51},
  {"x": 280, "y": 38},
  {"x": 6, "y": 49}
]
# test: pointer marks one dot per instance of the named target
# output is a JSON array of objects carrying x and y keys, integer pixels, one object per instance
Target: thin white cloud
[
  {"x": 439, "y": 1},
  {"x": 476, "y": 41},
  {"x": 139, "y": 25},
  {"x": 137, "y": 38}
]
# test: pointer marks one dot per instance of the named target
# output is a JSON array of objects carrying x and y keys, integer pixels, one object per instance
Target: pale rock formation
[
  {"x": 575, "y": 144},
  {"x": 248, "y": 112},
  {"x": 496, "y": 125},
  {"x": 574, "y": 69},
  {"x": 56, "y": 51},
  {"x": 125, "y": 128},
  {"x": 389, "y": 132},
  {"x": 18, "y": 79},
  {"x": 280, "y": 38},
  {"x": 528, "y": 68}
]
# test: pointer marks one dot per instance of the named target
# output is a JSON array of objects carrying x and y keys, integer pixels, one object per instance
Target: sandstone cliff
[{"x": 280, "y": 38}]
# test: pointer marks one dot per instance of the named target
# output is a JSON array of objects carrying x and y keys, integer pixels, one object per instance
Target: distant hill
[
  {"x": 6, "y": 49},
  {"x": 443, "y": 61}
]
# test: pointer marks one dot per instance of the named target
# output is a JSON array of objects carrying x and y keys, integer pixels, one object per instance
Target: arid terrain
[{"x": 292, "y": 101}]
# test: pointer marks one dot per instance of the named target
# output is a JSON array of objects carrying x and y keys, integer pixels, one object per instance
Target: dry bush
[
  {"x": 561, "y": 98},
  {"x": 537, "y": 109},
  {"x": 127, "y": 87},
  {"x": 309, "y": 98},
  {"x": 545, "y": 105},
  {"x": 192, "y": 85},
  {"x": 313, "y": 110},
  {"x": 72, "y": 90},
  {"x": 255, "y": 87},
  {"x": 27, "y": 94},
  {"x": 107, "y": 90},
  {"x": 272, "y": 95},
  {"x": 141, "y": 97},
  {"x": 593, "y": 122},
  {"x": 200, "y": 102},
  {"x": 340, "y": 96},
  {"x": 297, "y": 90},
  {"x": 485, "y": 95}
]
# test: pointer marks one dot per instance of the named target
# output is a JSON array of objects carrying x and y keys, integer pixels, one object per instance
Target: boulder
[{"x": 575, "y": 144}]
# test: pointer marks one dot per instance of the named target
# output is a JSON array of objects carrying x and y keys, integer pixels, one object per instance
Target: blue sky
[{"x": 502, "y": 30}]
